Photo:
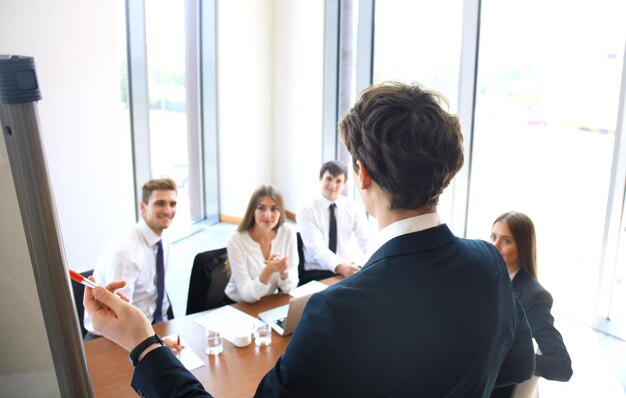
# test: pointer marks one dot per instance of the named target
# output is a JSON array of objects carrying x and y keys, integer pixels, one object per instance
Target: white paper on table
[
  {"x": 229, "y": 321},
  {"x": 308, "y": 288},
  {"x": 187, "y": 356}
]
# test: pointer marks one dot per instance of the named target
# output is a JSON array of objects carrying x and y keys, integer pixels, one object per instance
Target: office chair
[
  {"x": 79, "y": 292},
  {"x": 308, "y": 276},
  {"x": 208, "y": 281}
]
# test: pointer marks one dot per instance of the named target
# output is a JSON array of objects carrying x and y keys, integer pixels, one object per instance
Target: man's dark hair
[
  {"x": 408, "y": 143},
  {"x": 335, "y": 168}
]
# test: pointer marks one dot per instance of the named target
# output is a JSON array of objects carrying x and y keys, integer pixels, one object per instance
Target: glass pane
[
  {"x": 546, "y": 108},
  {"x": 347, "y": 77},
  {"x": 165, "y": 43},
  {"x": 420, "y": 41},
  {"x": 122, "y": 68},
  {"x": 617, "y": 307}
]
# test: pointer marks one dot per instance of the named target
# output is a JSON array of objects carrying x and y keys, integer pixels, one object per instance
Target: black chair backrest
[
  {"x": 307, "y": 276},
  {"x": 300, "y": 255},
  {"x": 79, "y": 292},
  {"x": 208, "y": 281}
]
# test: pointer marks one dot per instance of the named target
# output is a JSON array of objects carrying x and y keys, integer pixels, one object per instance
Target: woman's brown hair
[{"x": 523, "y": 230}]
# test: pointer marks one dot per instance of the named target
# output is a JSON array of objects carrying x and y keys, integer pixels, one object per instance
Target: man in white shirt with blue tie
[
  {"x": 338, "y": 246},
  {"x": 140, "y": 256}
]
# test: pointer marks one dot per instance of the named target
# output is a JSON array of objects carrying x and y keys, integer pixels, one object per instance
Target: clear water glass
[
  {"x": 214, "y": 343},
  {"x": 263, "y": 335}
]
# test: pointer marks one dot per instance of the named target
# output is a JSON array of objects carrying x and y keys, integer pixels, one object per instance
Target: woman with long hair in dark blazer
[{"x": 513, "y": 233}]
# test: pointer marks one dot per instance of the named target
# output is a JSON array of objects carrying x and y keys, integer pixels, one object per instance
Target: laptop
[{"x": 284, "y": 319}]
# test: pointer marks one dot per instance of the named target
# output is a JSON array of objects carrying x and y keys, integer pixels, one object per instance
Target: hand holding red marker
[
  {"x": 78, "y": 278},
  {"x": 172, "y": 344}
]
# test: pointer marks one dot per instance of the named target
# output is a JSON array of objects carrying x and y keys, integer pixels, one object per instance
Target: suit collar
[
  {"x": 520, "y": 280},
  {"x": 413, "y": 242},
  {"x": 405, "y": 226}
]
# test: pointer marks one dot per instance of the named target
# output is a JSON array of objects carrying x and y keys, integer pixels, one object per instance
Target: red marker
[
  {"x": 76, "y": 277},
  {"x": 178, "y": 340}
]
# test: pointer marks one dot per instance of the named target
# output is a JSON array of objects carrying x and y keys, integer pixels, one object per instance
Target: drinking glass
[
  {"x": 214, "y": 343},
  {"x": 263, "y": 335}
]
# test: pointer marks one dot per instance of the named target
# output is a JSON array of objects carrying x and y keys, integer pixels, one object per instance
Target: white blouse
[{"x": 247, "y": 262}]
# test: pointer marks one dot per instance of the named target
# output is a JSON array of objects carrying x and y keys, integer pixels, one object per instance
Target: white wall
[
  {"x": 89, "y": 165},
  {"x": 270, "y": 99},
  {"x": 298, "y": 66},
  {"x": 244, "y": 100},
  {"x": 88, "y": 153}
]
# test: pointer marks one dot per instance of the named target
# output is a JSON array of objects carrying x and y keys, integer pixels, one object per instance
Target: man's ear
[
  {"x": 363, "y": 175},
  {"x": 142, "y": 207}
]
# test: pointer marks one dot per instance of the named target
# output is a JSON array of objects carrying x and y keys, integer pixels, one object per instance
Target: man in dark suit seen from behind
[{"x": 428, "y": 315}]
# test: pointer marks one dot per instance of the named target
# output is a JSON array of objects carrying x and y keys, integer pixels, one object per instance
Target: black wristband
[{"x": 133, "y": 356}]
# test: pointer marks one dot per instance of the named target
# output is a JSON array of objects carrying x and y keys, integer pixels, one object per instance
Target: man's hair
[
  {"x": 335, "y": 168},
  {"x": 410, "y": 145},
  {"x": 523, "y": 231},
  {"x": 158, "y": 184},
  {"x": 265, "y": 190}
]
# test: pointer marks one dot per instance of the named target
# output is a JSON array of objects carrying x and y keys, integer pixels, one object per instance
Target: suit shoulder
[
  {"x": 530, "y": 291},
  {"x": 480, "y": 249}
]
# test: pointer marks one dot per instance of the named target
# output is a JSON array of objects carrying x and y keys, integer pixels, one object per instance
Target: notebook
[{"x": 284, "y": 319}]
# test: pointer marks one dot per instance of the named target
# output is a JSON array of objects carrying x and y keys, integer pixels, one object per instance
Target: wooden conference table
[{"x": 236, "y": 372}]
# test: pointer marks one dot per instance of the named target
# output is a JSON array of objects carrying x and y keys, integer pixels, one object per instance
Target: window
[
  {"x": 546, "y": 110},
  {"x": 539, "y": 107},
  {"x": 172, "y": 91},
  {"x": 420, "y": 41}
]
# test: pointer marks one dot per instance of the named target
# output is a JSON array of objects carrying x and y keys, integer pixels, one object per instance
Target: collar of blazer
[{"x": 413, "y": 242}]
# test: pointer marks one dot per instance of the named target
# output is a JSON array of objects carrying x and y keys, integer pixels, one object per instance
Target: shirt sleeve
[
  {"x": 313, "y": 239},
  {"x": 291, "y": 248},
  {"x": 250, "y": 288},
  {"x": 123, "y": 265}
]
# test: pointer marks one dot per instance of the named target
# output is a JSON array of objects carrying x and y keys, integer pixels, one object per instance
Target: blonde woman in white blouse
[{"x": 263, "y": 253}]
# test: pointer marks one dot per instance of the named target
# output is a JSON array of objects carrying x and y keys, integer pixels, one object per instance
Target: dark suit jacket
[
  {"x": 428, "y": 315},
  {"x": 554, "y": 362}
]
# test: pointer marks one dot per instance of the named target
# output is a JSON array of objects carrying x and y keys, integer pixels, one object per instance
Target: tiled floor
[{"x": 598, "y": 359}]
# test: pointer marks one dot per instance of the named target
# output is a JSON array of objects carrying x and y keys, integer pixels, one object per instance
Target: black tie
[
  {"x": 332, "y": 230},
  {"x": 160, "y": 282}
]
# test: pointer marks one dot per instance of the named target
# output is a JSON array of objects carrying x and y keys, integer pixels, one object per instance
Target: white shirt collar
[
  {"x": 148, "y": 234},
  {"x": 513, "y": 274},
  {"x": 406, "y": 226},
  {"x": 326, "y": 203}
]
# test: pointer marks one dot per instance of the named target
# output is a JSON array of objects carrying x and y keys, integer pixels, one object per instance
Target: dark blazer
[
  {"x": 430, "y": 315},
  {"x": 554, "y": 363}
]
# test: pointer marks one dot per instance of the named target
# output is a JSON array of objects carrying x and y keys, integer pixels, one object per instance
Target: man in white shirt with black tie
[
  {"x": 140, "y": 256},
  {"x": 335, "y": 231}
]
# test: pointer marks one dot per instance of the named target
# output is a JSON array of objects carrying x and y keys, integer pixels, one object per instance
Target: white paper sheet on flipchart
[
  {"x": 229, "y": 321},
  {"x": 187, "y": 356},
  {"x": 308, "y": 288}
]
